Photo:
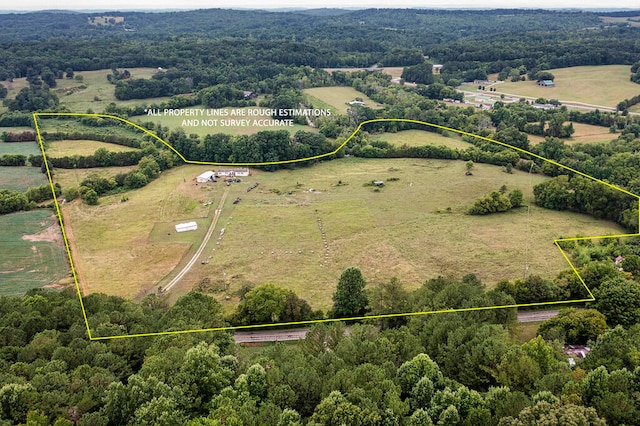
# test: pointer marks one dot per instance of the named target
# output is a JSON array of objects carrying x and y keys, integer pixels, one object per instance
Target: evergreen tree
[{"x": 350, "y": 299}]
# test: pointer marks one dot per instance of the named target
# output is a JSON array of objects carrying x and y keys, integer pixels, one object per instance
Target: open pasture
[
  {"x": 274, "y": 235},
  {"x": 338, "y": 97},
  {"x": 603, "y": 85},
  {"x": 33, "y": 254},
  {"x": 421, "y": 138},
  {"x": 301, "y": 228}
]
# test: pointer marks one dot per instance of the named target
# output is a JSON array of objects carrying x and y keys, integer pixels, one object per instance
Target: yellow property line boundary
[{"x": 298, "y": 323}]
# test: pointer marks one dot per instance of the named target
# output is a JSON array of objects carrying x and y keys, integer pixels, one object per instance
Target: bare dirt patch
[{"x": 51, "y": 234}]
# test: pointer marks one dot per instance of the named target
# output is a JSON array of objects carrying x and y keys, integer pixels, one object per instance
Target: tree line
[{"x": 455, "y": 368}]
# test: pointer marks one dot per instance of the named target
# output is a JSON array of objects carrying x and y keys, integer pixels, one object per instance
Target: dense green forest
[{"x": 451, "y": 369}]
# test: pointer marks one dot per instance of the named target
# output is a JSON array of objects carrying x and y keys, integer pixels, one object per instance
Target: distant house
[
  {"x": 546, "y": 83},
  {"x": 378, "y": 183},
  {"x": 209, "y": 176},
  {"x": 249, "y": 94},
  {"x": 437, "y": 68},
  {"x": 187, "y": 226},
  {"x": 242, "y": 171},
  {"x": 356, "y": 103}
]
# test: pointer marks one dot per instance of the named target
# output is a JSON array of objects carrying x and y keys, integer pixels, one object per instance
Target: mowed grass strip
[
  {"x": 21, "y": 178},
  {"x": 35, "y": 262},
  {"x": 404, "y": 230},
  {"x": 81, "y": 147},
  {"x": 339, "y": 97},
  {"x": 604, "y": 85},
  {"x": 421, "y": 138},
  {"x": 120, "y": 248}
]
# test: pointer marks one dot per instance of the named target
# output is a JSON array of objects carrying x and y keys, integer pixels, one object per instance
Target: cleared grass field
[
  {"x": 21, "y": 178},
  {"x": 604, "y": 85},
  {"x": 24, "y": 148},
  {"x": 421, "y": 138},
  {"x": 175, "y": 122},
  {"x": 82, "y": 147},
  {"x": 99, "y": 92},
  {"x": 413, "y": 228},
  {"x": 338, "y": 97},
  {"x": 584, "y": 133},
  {"x": 31, "y": 252}
]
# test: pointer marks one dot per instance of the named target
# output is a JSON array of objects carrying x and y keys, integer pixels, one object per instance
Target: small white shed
[{"x": 187, "y": 226}]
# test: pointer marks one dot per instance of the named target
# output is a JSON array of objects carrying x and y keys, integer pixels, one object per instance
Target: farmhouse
[
  {"x": 242, "y": 171},
  {"x": 209, "y": 176},
  {"x": 546, "y": 83},
  {"x": 186, "y": 226}
]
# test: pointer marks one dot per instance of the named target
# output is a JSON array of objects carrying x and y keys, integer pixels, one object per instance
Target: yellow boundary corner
[{"x": 309, "y": 322}]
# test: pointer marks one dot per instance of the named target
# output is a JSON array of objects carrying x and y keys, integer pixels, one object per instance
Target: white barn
[
  {"x": 187, "y": 226},
  {"x": 206, "y": 177},
  {"x": 242, "y": 171}
]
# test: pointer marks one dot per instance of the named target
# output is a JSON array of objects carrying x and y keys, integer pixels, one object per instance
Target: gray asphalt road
[{"x": 301, "y": 333}]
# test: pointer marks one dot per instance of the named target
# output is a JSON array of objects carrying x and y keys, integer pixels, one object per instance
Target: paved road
[
  {"x": 207, "y": 237},
  {"x": 301, "y": 333},
  {"x": 536, "y": 316}
]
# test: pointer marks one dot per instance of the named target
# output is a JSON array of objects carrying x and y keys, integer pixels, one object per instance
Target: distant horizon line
[{"x": 292, "y": 9}]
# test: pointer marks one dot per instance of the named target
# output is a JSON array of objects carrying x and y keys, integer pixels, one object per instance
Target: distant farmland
[{"x": 604, "y": 85}]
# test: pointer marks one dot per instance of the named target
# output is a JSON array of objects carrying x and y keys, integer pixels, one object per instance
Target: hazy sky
[{"x": 207, "y": 4}]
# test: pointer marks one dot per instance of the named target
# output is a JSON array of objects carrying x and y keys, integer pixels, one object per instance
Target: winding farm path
[{"x": 204, "y": 243}]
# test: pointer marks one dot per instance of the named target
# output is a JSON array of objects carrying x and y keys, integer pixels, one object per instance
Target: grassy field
[
  {"x": 98, "y": 92},
  {"x": 604, "y": 85},
  {"x": 21, "y": 178},
  {"x": 421, "y": 138},
  {"x": 175, "y": 122},
  {"x": 24, "y": 148},
  {"x": 584, "y": 133},
  {"x": 31, "y": 252},
  {"x": 273, "y": 235},
  {"x": 81, "y": 147},
  {"x": 338, "y": 97}
]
